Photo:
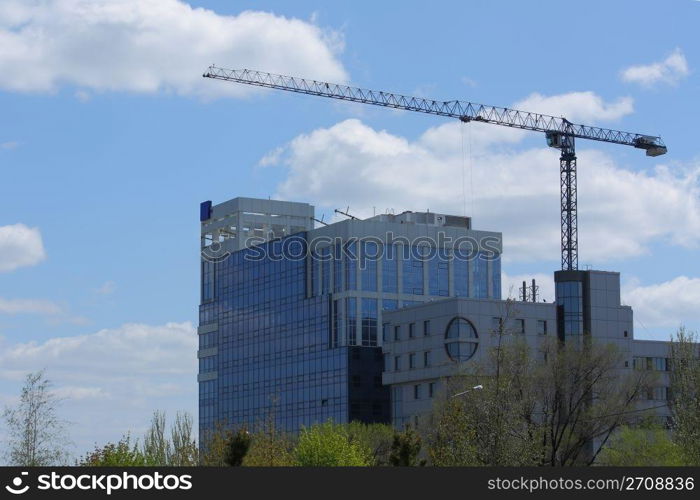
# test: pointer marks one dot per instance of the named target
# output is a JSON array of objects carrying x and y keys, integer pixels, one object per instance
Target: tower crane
[{"x": 559, "y": 132}]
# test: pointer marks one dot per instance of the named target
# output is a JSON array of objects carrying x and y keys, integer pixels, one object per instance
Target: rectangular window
[
  {"x": 385, "y": 332},
  {"x": 460, "y": 271},
  {"x": 412, "y": 360},
  {"x": 496, "y": 277},
  {"x": 351, "y": 266},
  {"x": 412, "y": 267},
  {"x": 368, "y": 266},
  {"x": 325, "y": 256},
  {"x": 541, "y": 327},
  {"x": 369, "y": 322},
  {"x": 416, "y": 391},
  {"x": 389, "y": 305},
  {"x": 431, "y": 389},
  {"x": 337, "y": 269},
  {"x": 208, "y": 271},
  {"x": 426, "y": 327},
  {"x": 438, "y": 272},
  {"x": 390, "y": 269},
  {"x": 351, "y": 320},
  {"x": 426, "y": 358},
  {"x": 397, "y": 332},
  {"x": 520, "y": 326},
  {"x": 337, "y": 323},
  {"x": 481, "y": 280},
  {"x": 397, "y": 363},
  {"x": 411, "y": 330}
]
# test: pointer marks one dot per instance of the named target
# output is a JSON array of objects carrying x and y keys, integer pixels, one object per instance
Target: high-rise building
[{"x": 289, "y": 314}]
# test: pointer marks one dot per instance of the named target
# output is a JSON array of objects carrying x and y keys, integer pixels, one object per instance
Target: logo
[{"x": 17, "y": 482}]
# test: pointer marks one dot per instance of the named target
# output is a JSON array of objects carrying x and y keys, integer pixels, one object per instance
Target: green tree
[
  {"x": 329, "y": 445},
  {"x": 554, "y": 405},
  {"x": 452, "y": 437},
  {"x": 644, "y": 446},
  {"x": 492, "y": 425},
  {"x": 185, "y": 451},
  {"x": 120, "y": 454},
  {"x": 685, "y": 390},
  {"x": 237, "y": 448},
  {"x": 583, "y": 399},
  {"x": 37, "y": 436},
  {"x": 215, "y": 446},
  {"x": 377, "y": 438},
  {"x": 156, "y": 447},
  {"x": 405, "y": 449},
  {"x": 269, "y": 447}
]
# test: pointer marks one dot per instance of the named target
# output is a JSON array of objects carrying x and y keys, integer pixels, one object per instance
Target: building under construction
[{"x": 363, "y": 319}]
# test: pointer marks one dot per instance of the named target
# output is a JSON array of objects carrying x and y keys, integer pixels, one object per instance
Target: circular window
[{"x": 461, "y": 339}]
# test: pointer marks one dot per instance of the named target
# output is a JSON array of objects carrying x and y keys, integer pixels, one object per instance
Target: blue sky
[{"x": 110, "y": 138}]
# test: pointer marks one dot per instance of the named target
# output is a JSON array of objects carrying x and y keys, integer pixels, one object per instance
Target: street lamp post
[{"x": 475, "y": 388}]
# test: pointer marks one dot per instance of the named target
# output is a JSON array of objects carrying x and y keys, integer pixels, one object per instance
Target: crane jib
[{"x": 559, "y": 132}]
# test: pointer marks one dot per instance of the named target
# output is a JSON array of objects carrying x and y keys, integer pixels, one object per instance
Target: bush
[
  {"x": 641, "y": 447},
  {"x": 328, "y": 445}
]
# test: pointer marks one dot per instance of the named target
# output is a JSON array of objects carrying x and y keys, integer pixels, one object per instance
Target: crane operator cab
[{"x": 555, "y": 140}]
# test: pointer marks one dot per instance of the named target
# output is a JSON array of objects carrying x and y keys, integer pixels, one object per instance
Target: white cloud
[
  {"x": 20, "y": 246},
  {"x": 584, "y": 107},
  {"x": 469, "y": 82},
  {"x": 9, "y": 145},
  {"x": 668, "y": 304},
  {"x": 29, "y": 306},
  {"x": 112, "y": 379},
  {"x": 152, "y": 45},
  {"x": 670, "y": 71},
  {"x": 54, "y": 313},
  {"x": 621, "y": 212},
  {"x": 107, "y": 288},
  {"x": 76, "y": 392}
]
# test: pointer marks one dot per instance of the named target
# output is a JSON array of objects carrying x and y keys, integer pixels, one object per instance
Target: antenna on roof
[
  {"x": 346, "y": 213},
  {"x": 320, "y": 221}
]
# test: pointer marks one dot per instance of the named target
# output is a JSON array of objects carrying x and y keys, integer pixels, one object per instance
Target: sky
[{"x": 110, "y": 139}]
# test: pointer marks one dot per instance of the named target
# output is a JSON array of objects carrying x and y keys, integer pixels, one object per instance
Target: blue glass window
[
  {"x": 389, "y": 305},
  {"x": 208, "y": 278},
  {"x": 570, "y": 298},
  {"x": 438, "y": 273},
  {"x": 325, "y": 255},
  {"x": 496, "y": 277},
  {"x": 481, "y": 283},
  {"x": 338, "y": 269},
  {"x": 351, "y": 320},
  {"x": 351, "y": 265},
  {"x": 368, "y": 268},
  {"x": 369, "y": 322},
  {"x": 390, "y": 269},
  {"x": 412, "y": 268},
  {"x": 337, "y": 323}
]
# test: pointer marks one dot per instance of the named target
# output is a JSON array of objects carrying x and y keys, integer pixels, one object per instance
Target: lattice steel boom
[{"x": 560, "y": 132}]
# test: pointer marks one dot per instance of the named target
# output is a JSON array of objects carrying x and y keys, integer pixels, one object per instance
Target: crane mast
[{"x": 560, "y": 132}]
